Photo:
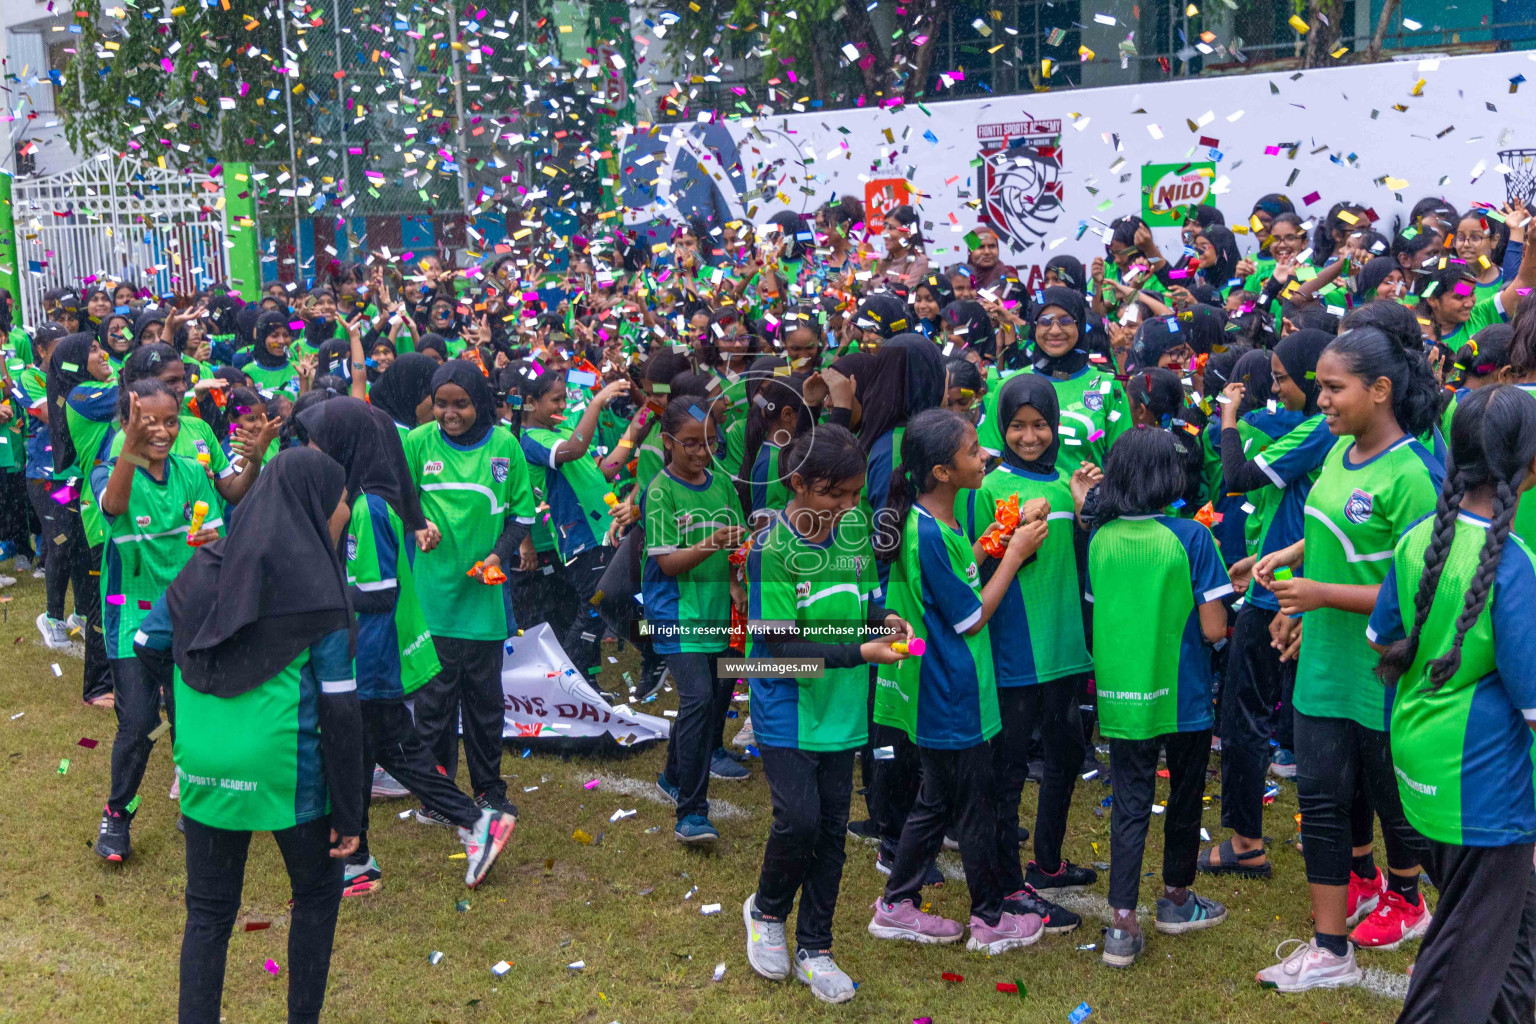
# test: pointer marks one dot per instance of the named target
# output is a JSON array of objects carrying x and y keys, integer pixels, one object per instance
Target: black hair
[
  {"x": 145, "y": 362},
  {"x": 529, "y": 387},
  {"x": 293, "y": 432},
  {"x": 1435, "y": 205},
  {"x": 676, "y": 414},
  {"x": 842, "y": 213},
  {"x": 1406, "y": 244},
  {"x": 144, "y": 387},
  {"x": 1315, "y": 317},
  {"x": 907, "y": 217},
  {"x": 665, "y": 366},
  {"x": 1162, "y": 393},
  {"x": 824, "y": 456},
  {"x": 960, "y": 372},
  {"x": 1143, "y": 475},
  {"x": 1492, "y": 443},
  {"x": 770, "y": 398},
  {"x": 1123, "y": 230},
  {"x": 1218, "y": 368},
  {"x": 1486, "y": 352},
  {"x": 1498, "y": 229},
  {"x": 1288, "y": 217},
  {"x": 932, "y": 438},
  {"x": 1395, "y": 319},
  {"x": 1370, "y": 354},
  {"x": 1323, "y": 245},
  {"x": 241, "y": 397}
]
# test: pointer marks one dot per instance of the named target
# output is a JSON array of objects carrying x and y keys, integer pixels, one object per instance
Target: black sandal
[{"x": 1223, "y": 860}]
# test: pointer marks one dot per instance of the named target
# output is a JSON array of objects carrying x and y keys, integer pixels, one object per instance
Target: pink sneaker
[
  {"x": 1309, "y": 966},
  {"x": 1012, "y": 931},
  {"x": 904, "y": 921}
]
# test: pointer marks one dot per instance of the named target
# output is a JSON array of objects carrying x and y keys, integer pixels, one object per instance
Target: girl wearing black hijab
[
  {"x": 404, "y": 391},
  {"x": 1276, "y": 472},
  {"x": 1093, "y": 407},
  {"x": 267, "y": 723},
  {"x": 81, "y": 406},
  {"x": 1066, "y": 272},
  {"x": 1038, "y": 647},
  {"x": 395, "y": 656},
  {"x": 270, "y": 366},
  {"x": 472, "y": 481},
  {"x": 434, "y": 346}
]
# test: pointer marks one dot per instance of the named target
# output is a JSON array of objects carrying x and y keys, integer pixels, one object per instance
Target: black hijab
[
  {"x": 969, "y": 323},
  {"x": 468, "y": 376},
  {"x": 1376, "y": 270},
  {"x": 374, "y": 373},
  {"x": 1069, "y": 271},
  {"x": 401, "y": 387},
  {"x": 142, "y": 323},
  {"x": 1253, "y": 372},
  {"x": 1039, "y": 393},
  {"x": 285, "y": 589},
  {"x": 1071, "y": 301},
  {"x": 905, "y": 377},
  {"x": 264, "y": 324},
  {"x": 1298, "y": 353},
  {"x": 1207, "y": 328},
  {"x": 435, "y": 342},
  {"x": 245, "y": 325},
  {"x": 367, "y": 445},
  {"x": 66, "y": 370},
  {"x": 332, "y": 357},
  {"x": 1227, "y": 256},
  {"x": 883, "y": 313}
]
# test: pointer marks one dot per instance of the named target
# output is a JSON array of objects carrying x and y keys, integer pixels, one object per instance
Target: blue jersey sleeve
[
  {"x": 1300, "y": 460},
  {"x": 1386, "y": 622},
  {"x": 330, "y": 659},
  {"x": 1514, "y": 642},
  {"x": 99, "y": 477},
  {"x": 877, "y": 480},
  {"x": 96, "y": 404},
  {"x": 537, "y": 454},
  {"x": 952, "y": 598},
  {"x": 1207, "y": 573},
  {"x": 760, "y": 478}
]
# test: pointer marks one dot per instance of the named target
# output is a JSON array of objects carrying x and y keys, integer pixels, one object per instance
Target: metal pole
[
  {"x": 341, "y": 99},
  {"x": 460, "y": 156},
  {"x": 293, "y": 151}
]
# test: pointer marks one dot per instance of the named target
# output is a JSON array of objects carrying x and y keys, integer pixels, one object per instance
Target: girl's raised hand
[
  {"x": 1084, "y": 479},
  {"x": 1246, "y": 268}
]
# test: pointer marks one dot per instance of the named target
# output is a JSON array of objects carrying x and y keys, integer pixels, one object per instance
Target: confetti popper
[
  {"x": 490, "y": 575},
  {"x": 611, "y": 499},
  {"x": 995, "y": 540},
  {"x": 199, "y": 513},
  {"x": 915, "y": 647},
  {"x": 1283, "y": 573}
]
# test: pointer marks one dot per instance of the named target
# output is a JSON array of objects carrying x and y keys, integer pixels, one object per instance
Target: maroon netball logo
[{"x": 1020, "y": 178}]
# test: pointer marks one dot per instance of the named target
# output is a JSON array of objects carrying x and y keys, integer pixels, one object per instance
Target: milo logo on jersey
[
  {"x": 1019, "y": 181},
  {"x": 973, "y": 575},
  {"x": 499, "y": 469},
  {"x": 432, "y": 468},
  {"x": 1357, "y": 509},
  {"x": 803, "y": 589}
]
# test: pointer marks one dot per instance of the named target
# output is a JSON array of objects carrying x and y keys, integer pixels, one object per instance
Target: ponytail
[
  {"x": 1370, "y": 354},
  {"x": 932, "y": 438}
]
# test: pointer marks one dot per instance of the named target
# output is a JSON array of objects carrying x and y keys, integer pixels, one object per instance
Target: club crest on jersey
[
  {"x": 499, "y": 469},
  {"x": 186, "y": 511},
  {"x": 1357, "y": 509},
  {"x": 1093, "y": 400},
  {"x": 202, "y": 447},
  {"x": 433, "y": 467},
  {"x": 351, "y": 548}
]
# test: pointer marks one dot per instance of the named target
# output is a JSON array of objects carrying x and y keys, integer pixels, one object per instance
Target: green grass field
[{"x": 84, "y": 940}]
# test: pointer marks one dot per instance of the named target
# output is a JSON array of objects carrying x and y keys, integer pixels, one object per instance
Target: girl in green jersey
[
  {"x": 1455, "y": 610},
  {"x": 1376, "y": 395},
  {"x": 270, "y": 367}
]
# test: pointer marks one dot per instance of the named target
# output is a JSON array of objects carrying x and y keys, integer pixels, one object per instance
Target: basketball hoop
[{"x": 1520, "y": 182}]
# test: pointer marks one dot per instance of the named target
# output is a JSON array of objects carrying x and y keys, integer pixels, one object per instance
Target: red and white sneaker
[
  {"x": 1364, "y": 895},
  {"x": 1394, "y": 922}
]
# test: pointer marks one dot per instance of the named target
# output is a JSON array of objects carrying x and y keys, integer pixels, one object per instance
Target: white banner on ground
[
  {"x": 545, "y": 698},
  {"x": 1050, "y": 170}
]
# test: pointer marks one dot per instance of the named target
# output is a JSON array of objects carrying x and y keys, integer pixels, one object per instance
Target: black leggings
[
  {"x": 1333, "y": 755},
  {"x": 390, "y": 741},
  {"x": 57, "y": 525},
  {"x": 810, "y": 792},
  {"x": 1475, "y": 964},
  {"x": 97, "y": 678},
  {"x": 15, "y": 513},
  {"x": 137, "y": 703},
  {"x": 1133, "y": 763},
  {"x": 1248, "y": 699},
  {"x": 467, "y": 693},
  {"x": 1053, "y": 708},
  {"x": 702, "y": 701},
  {"x": 215, "y": 880}
]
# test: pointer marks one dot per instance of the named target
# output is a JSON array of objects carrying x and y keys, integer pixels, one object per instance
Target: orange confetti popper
[{"x": 995, "y": 540}]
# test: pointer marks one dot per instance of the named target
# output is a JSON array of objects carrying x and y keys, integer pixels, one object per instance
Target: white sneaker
[
  {"x": 827, "y": 980},
  {"x": 386, "y": 787},
  {"x": 1310, "y": 966},
  {"x": 484, "y": 843},
  {"x": 54, "y": 633},
  {"x": 7, "y": 581},
  {"x": 767, "y": 948},
  {"x": 744, "y": 737},
  {"x": 77, "y": 623},
  {"x": 175, "y": 793}
]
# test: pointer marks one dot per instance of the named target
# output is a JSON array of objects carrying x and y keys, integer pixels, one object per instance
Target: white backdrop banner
[
  {"x": 1049, "y": 171},
  {"x": 545, "y": 698}
]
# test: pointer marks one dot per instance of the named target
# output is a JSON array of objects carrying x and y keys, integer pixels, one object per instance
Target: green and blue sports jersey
[
  {"x": 275, "y": 378},
  {"x": 823, "y": 590},
  {"x": 395, "y": 655},
  {"x": 253, "y": 763},
  {"x": 1485, "y": 312},
  {"x": 1094, "y": 413},
  {"x": 1259, "y": 429},
  {"x": 147, "y": 545},
  {"x": 1037, "y": 630},
  {"x": 1462, "y": 752},
  {"x": 574, "y": 490},
  {"x": 194, "y": 438},
  {"x": 692, "y": 610},
  {"x": 89, "y": 410},
  {"x": 1292, "y": 462},
  {"x": 33, "y": 387},
  {"x": 1147, "y": 578},
  {"x": 1355, "y": 514},
  {"x": 468, "y": 492},
  {"x": 768, "y": 492},
  {"x": 946, "y": 699}
]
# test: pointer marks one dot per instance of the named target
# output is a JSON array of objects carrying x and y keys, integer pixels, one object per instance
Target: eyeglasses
[
  {"x": 691, "y": 447},
  {"x": 1471, "y": 239},
  {"x": 1055, "y": 320}
]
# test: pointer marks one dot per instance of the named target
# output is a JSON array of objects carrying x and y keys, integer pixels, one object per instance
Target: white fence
[{"x": 113, "y": 218}]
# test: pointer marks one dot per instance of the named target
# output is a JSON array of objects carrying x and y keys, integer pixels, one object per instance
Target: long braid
[
  {"x": 1505, "y": 503},
  {"x": 1397, "y": 658}
]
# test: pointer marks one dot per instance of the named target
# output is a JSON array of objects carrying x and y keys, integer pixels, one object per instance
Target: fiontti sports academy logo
[
  {"x": 1020, "y": 179},
  {"x": 1358, "y": 508}
]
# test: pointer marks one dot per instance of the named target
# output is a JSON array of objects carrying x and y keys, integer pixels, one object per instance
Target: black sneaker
[
  {"x": 883, "y": 861},
  {"x": 496, "y": 803},
  {"x": 1023, "y": 835},
  {"x": 112, "y": 838},
  {"x": 1068, "y": 878},
  {"x": 1058, "y": 919},
  {"x": 430, "y": 817},
  {"x": 864, "y": 829},
  {"x": 650, "y": 682}
]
